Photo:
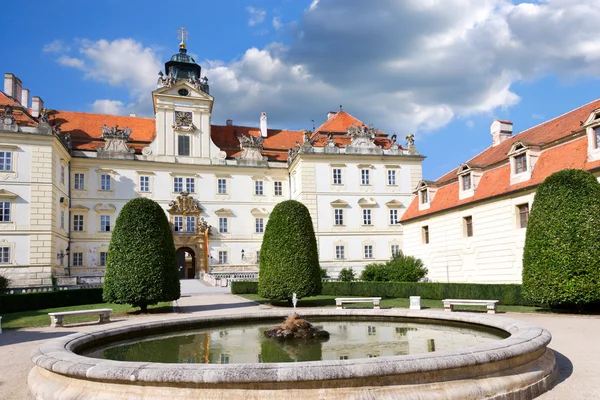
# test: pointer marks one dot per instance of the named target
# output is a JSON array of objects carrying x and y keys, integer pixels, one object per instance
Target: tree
[
  {"x": 4, "y": 282},
  {"x": 289, "y": 260},
  {"x": 141, "y": 267},
  {"x": 561, "y": 258},
  {"x": 347, "y": 275},
  {"x": 401, "y": 268}
]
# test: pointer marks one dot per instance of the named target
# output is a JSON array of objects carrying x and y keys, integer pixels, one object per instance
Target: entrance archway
[{"x": 186, "y": 262}]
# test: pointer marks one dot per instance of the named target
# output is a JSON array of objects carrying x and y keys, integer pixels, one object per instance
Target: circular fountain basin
[{"x": 519, "y": 366}]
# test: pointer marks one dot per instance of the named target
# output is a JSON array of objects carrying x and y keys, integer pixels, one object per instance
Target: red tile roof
[
  {"x": 20, "y": 113},
  {"x": 496, "y": 178}
]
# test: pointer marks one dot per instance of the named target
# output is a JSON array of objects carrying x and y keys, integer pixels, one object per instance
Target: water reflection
[{"x": 247, "y": 344}]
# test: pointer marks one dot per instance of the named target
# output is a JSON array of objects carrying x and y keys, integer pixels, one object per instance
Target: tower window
[
  {"x": 183, "y": 92},
  {"x": 183, "y": 145}
]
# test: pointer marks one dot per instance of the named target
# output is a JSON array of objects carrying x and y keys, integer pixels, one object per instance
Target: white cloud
[
  {"x": 55, "y": 46},
  {"x": 277, "y": 24},
  {"x": 71, "y": 62},
  {"x": 113, "y": 107},
  {"x": 257, "y": 15}
]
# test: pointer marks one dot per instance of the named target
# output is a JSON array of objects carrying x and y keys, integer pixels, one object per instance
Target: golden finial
[{"x": 182, "y": 34}]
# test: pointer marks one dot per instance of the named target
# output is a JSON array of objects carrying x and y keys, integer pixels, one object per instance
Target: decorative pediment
[
  {"x": 184, "y": 204},
  {"x": 425, "y": 185},
  {"x": 100, "y": 207},
  {"x": 79, "y": 208},
  {"x": 370, "y": 202},
  {"x": 5, "y": 194},
  {"x": 519, "y": 147},
  {"x": 593, "y": 118},
  {"x": 394, "y": 204},
  {"x": 115, "y": 143},
  {"x": 259, "y": 212},
  {"x": 224, "y": 212},
  {"x": 362, "y": 137},
  {"x": 466, "y": 168},
  {"x": 339, "y": 203},
  {"x": 197, "y": 88}
]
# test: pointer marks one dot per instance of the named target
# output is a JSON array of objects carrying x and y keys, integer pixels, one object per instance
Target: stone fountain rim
[{"x": 58, "y": 355}]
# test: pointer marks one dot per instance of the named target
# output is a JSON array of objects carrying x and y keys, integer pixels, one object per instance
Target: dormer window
[
  {"x": 425, "y": 191},
  {"x": 592, "y": 130},
  {"x": 597, "y": 132},
  {"x": 466, "y": 182},
  {"x": 468, "y": 179},
  {"x": 424, "y": 196},
  {"x": 522, "y": 159},
  {"x": 520, "y": 164}
]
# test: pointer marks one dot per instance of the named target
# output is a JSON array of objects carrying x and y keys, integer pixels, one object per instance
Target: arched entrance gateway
[{"x": 190, "y": 234}]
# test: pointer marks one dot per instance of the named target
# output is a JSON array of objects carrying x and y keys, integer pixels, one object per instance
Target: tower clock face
[{"x": 183, "y": 118}]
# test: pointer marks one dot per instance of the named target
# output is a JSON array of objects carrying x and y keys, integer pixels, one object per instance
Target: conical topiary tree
[
  {"x": 561, "y": 258},
  {"x": 141, "y": 268},
  {"x": 289, "y": 259}
]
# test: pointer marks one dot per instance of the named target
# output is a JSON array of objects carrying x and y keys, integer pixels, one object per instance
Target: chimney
[
  {"x": 132, "y": 115},
  {"x": 500, "y": 130},
  {"x": 9, "y": 84},
  {"x": 263, "y": 124},
  {"x": 331, "y": 114},
  {"x": 37, "y": 105},
  {"x": 25, "y": 98},
  {"x": 229, "y": 122},
  {"x": 18, "y": 89}
]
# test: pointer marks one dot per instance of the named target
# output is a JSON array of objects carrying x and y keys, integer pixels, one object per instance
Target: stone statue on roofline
[
  {"x": 251, "y": 147},
  {"x": 410, "y": 143},
  {"x": 362, "y": 136}
]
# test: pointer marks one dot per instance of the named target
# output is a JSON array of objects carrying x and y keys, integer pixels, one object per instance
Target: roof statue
[
  {"x": 410, "y": 143},
  {"x": 116, "y": 143},
  {"x": 362, "y": 137},
  {"x": 251, "y": 148}
]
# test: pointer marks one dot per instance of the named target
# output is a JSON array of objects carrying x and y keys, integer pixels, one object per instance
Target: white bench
[
  {"x": 339, "y": 302},
  {"x": 491, "y": 304},
  {"x": 57, "y": 318}
]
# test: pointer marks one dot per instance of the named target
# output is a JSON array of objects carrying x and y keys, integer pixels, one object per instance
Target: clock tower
[{"x": 183, "y": 107}]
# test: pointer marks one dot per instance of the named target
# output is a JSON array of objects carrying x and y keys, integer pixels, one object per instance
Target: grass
[
  {"x": 28, "y": 319},
  {"x": 329, "y": 301}
]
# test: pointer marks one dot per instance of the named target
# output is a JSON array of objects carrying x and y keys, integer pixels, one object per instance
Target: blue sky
[{"x": 442, "y": 69}]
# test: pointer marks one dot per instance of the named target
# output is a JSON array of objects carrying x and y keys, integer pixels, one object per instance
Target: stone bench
[
  {"x": 57, "y": 318},
  {"x": 339, "y": 302},
  {"x": 450, "y": 303}
]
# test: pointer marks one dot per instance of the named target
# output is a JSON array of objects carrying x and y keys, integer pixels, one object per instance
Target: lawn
[
  {"x": 28, "y": 319},
  {"x": 329, "y": 301}
]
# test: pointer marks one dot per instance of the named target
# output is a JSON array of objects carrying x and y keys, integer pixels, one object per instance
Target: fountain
[{"x": 519, "y": 366}]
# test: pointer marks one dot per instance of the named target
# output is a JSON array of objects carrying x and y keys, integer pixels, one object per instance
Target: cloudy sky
[{"x": 442, "y": 69}]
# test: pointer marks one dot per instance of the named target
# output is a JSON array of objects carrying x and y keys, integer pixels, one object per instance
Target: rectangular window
[
  {"x": 597, "y": 131},
  {"x": 258, "y": 188},
  {"x": 5, "y": 161},
  {"x": 368, "y": 251},
  {"x": 468, "y": 222},
  {"x": 340, "y": 252},
  {"x": 466, "y": 181},
  {"x": 222, "y": 257},
  {"x": 62, "y": 174},
  {"x": 79, "y": 181},
  {"x": 78, "y": 223},
  {"x": 62, "y": 219},
  {"x": 104, "y": 182},
  {"x": 183, "y": 145},
  {"x": 521, "y": 163},
  {"x": 77, "y": 259},
  {"x": 425, "y": 234},
  {"x": 424, "y": 197},
  {"x": 366, "y": 216},
  {"x": 177, "y": 185},
  {"x": 278, "y": 188},
  {"x": 523, "y": 215},
  {"x": 190, "y": 223},
  {"x": 190, "y": 185},
  {"x": 365, "y": 177},
  {"x": 144, "y": 183},
  {"x": 337, "y": 176},
  {"x": 223, "y": 225},
  {"x": 102, "y": 259},
  {"x": 391, "y": 177},
  {"x": 105, "y": 223},
  {"x": 394, "y": 249},
  {"x": 259, "y": 225},
  {"x": 222, "y": 186},
  {"x": 5, "y": 255},
  {"x": 394, "y": 216},
  {"x": 178, "y": 223},
  {"x": 338, "y": 216},
  {"x": 258, "y": 256},
  {"x": 4, "y": 211}
]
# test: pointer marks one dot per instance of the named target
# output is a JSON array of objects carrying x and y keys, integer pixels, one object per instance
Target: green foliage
[
  {"x": 561, "y": 258},
  {"x": 11, "y": 303},
  {"x": 401, "y": 268},
  {"x": 141, "y": 267},
  {"x": 4, "y": 282},
  {"x": 324, "y": 273},
  {"x": 347, "y": 275},
  {"x": 289, "y": 259},
  {"x": 508, "y": 294}
]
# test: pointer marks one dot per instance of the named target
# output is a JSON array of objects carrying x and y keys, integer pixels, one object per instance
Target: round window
[{"x": 183, "y": 92}]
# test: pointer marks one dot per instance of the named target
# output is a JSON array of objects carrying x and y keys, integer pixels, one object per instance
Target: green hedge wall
[
  {"x": 10, "y": 303},
  {"x": 508, "y": 294}
]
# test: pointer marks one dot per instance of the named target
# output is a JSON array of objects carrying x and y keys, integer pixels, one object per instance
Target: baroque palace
[{"x": 66, "y": 175}]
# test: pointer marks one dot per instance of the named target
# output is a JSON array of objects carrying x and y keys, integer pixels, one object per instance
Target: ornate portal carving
[
  {"x": 203, "y": 226},
  {"x": 184, "y": 204},
  {"x": 116, "y": 143}
]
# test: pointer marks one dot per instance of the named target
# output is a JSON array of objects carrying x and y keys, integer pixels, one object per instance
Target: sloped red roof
[
  {"x": 496, "y": 181},
  {"x": 340, "y": 122},
  {"x": 20, "y": 113}
]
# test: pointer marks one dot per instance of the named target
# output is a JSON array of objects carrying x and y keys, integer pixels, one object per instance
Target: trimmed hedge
[
  {"x": 401, "y": 268},
  {"x": 508, "y": 294},
  {"x": 289, "y": 258},
  {"x": 561, "y": 257},
  {"x": 10, "y": 303}
]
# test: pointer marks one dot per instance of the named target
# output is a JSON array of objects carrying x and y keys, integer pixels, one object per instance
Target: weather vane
[{"x": 182, "y": 34}]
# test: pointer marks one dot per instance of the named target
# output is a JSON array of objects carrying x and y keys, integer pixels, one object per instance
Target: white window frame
[
  {"x": 524, "y": 163},
  {"x": 178, "y": 224},
  {"x": 79, "y": 181},
  {"x": 259, "y": 225},
  {"x": 337, "y": 176},
  {"x": 102, "y": 258},
  {"x": 394, "y": 216},
  {"x": 340, "y": 252},
  {"x": 144, "y": 183},
  {"x": 77, "y": 259},
  {"x": 6, "y": 161},
  {"x": 182, "y": 141},
  {"x": 392, "y": 177},
  {"x": 5, "y": 211},
  {"x": 221, "y": 186},
  {"x": 78, "y": 222},
  {"x": 177, "y": 183},
  {"x": 190, "y": 224},
  {"x": 277, "y": 188},
  {"x": 394, "y": 249},
  {"x": 365, "y": 177},
  {"x": 367, "y": 217},
  {"x": 368, "y": 251},
  {"x": 466, "y": 182},
  {"x": 338, "y": 216},
  {"x": 105, "y": 183},
  {"x": 223, "y": 225},
  {"x": 223, "y": 256},
  {"x": 519, "y": 214},
  {"x": 190, "y": 184},
  {"x": 259, "y": 186},
  {"x": 105, "y": 223},
  {"x": 5, "y": 255},
  {"x": 424, "y": 196}
]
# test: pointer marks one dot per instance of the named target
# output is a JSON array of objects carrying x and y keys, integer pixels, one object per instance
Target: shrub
[
  {"x": 141, "y": 267},
  {"x": 401, "y": 268},
  {"x": 289, "y": 260},
  {"x": 324, "y": 273},
  {"x": 347, "y": 275},
  {"x": 10, "y": 303},
  {"x": 244, "y": 287},
  {"x": 561, "y": 258},
  {"x": 4, "y": 282}
]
